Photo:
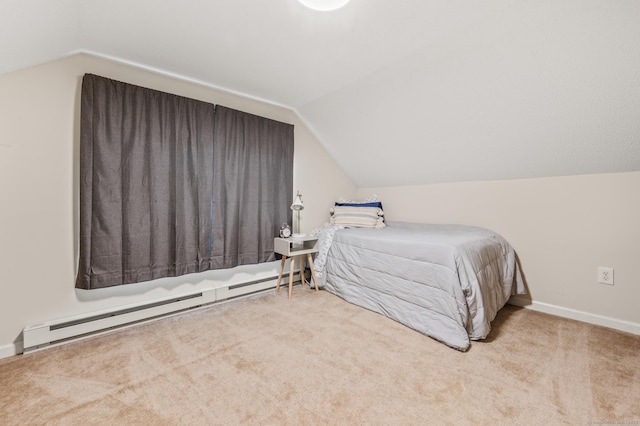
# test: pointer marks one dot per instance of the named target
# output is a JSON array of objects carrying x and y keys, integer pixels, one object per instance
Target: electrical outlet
[{"x": 605, "y": 275}]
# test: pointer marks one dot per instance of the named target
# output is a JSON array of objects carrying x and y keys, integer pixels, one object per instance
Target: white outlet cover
[{"x": 605, "y": 275}]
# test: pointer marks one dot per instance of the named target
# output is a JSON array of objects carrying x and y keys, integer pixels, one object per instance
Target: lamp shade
[{"x": 297, "y": 203}]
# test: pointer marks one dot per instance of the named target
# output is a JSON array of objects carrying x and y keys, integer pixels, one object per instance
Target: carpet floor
[{"x": 317, "y": 359}]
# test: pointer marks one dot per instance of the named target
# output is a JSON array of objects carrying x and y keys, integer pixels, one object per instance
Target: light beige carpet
[{"x": 319, "y": 360}]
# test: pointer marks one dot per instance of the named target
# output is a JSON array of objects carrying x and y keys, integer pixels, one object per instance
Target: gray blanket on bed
[{"x": 445, "y": 281}]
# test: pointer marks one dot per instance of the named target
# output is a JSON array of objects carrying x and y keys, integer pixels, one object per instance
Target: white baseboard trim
[
  {"x": 10, "y": 350},
  {"x": 622, "y": 325}
]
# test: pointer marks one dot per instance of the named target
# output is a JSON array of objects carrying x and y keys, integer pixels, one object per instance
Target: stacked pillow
[{"x": 361, "y": 214}]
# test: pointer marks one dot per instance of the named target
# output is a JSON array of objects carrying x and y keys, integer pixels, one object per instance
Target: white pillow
[{"x": 361, "y": 217}]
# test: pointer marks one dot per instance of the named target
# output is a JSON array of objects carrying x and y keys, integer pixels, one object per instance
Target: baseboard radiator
[{"x": 72, "y": 328}]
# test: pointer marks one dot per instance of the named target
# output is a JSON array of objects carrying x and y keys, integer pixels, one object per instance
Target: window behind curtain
[{"x": 150, "y": 205}]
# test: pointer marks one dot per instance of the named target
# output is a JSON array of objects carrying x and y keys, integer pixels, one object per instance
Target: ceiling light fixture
[{"x": 324, "y": 5}]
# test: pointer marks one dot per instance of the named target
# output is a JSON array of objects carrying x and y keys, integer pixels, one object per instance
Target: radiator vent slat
[
  {"x": 123, "y": 311},
  {"x": 285, "y": 278}
]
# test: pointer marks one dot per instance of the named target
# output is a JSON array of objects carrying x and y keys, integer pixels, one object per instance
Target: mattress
[{"x": 445, "y": 281}]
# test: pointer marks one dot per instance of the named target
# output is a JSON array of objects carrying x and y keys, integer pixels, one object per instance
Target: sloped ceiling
[{"x": 399, "y": 92}]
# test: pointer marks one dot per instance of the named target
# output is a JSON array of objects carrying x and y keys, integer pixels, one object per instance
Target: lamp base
[{"x": 298, "y": 236}]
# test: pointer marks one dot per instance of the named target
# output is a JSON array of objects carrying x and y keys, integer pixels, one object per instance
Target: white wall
[
  {"x": 39, "y": 133},
  {"x": 562, "y": 228}
]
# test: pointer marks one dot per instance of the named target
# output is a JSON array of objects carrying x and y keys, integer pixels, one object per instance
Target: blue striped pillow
[{"x": 377, "y": 204}]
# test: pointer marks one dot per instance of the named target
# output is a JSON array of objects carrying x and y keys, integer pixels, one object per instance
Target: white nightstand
[{"x": 295, "y": 247}]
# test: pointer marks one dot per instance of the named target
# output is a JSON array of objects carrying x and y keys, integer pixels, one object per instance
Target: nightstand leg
[
  {"x": 284, "y": 258},
  {"x": 291, "y": 265},
  {"x": 313, "y": 271}
]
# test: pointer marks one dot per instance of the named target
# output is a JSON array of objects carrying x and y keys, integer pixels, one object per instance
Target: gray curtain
[
  {"x": 254, "y": 186},
  {"x": 147, "y": 187}
]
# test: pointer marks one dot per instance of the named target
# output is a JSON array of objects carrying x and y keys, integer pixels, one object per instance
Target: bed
[{"x": 445, "y": 281}]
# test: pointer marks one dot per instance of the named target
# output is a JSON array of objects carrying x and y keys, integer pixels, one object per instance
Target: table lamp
[{"x": 297, "y": 206}]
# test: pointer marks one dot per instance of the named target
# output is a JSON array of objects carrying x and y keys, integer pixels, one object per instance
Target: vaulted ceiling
[{"x": 399, "y": 92}]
